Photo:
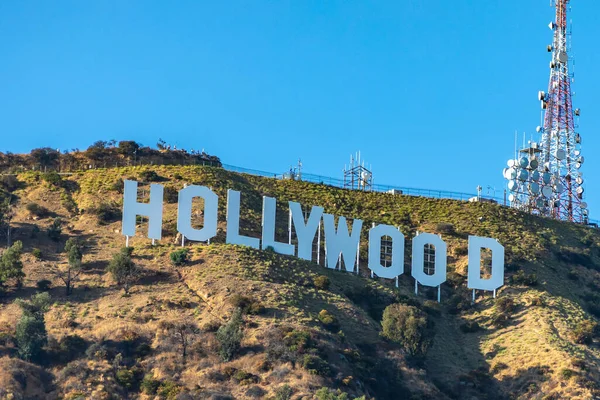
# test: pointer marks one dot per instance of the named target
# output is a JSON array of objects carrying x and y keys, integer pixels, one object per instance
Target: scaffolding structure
[{"x": 356, "y": 175}]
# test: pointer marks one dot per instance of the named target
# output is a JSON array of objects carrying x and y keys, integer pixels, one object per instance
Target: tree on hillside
[
  {"x": 123, "y": 269},
  {"x": 97, "y": 151},
  {"x": 45, "y": 157},
  {"x": 408, "y": 326},
  {"x": 230, "y": 336},
  {"x": 70, "y": 272},
  {"x": 55, "y": 230},
  {"x": 7, "y": 212},
  {"x": 11, "y": 266},
  {"x": 31, "y": 334},
  {"x": 128, "y": 148},
  {"x": 183, "y": 330}
]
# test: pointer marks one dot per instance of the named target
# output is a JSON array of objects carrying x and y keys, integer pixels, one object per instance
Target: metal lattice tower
[
  {"x": 561, "y": 145},
  {"x": 545, "y": 178}
]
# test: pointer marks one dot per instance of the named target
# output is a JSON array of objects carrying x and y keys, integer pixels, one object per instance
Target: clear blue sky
[{"x": 431, "y": 91}]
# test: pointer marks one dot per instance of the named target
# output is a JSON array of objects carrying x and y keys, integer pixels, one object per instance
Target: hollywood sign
[{"x": 339, "y": 242}]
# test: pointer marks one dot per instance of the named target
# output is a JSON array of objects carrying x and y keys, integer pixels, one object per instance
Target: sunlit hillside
[{"x": 229, "y": 322}]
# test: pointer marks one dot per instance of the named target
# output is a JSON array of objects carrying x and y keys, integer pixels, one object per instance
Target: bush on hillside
[
  {"x": 584, "y": 332},
  {"x": 149, "y": 385},
  {"x": 328, "y": 320},
  {"x": 505, "y": 304},
  {"x": 36, "y": 210},
  {"x": 171, "y": 195},
  {"x": 106, "y": 212},
  {"x": 10, "y": 183},
  {"x": 322, "y": 282},
  {"x": 150, "y": 176},
  {"x": 43, "y": 285},
  {"x": 284, "y": 392},
  {"x": 315, "y": 365},
  {"x": 521, "y": 278},
  {"x": 247, "y": 304},
  {"x": 71, "y": 347},
  {"x": 408, "y": 326},
  {"x": 54, "y": 231},
  {"x": 445, "y": 227},
  {"x": 52, "y": 178},
  {"x": 179, "y": 257},
  {"x": 230, "y": 336}
]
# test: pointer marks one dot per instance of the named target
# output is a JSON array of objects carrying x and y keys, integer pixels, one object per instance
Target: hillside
[{"x": 537, "y": 340}]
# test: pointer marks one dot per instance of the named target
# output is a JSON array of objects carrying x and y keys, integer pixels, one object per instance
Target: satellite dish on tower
[
  {"x": 547, "y": 192},
  {"x": 562, "y": 57}
]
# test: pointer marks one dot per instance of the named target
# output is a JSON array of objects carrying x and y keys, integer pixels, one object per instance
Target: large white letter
[
  {"x": 233, "y": 222},
  {"x": 475, "y": 281},
  {"x": 418, "y": 261},
  {"x": 397, "y": 267},
  {"x": 340, "y": 242},
  {"x": 184, "y": 213},
  {"x": 268, "y": 228},
  {"x": 305, "y": 232},
  {"x": 153, "y": 210}
]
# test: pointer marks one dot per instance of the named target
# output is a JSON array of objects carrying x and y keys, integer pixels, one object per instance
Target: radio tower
[{"x": 546, "y": 179}]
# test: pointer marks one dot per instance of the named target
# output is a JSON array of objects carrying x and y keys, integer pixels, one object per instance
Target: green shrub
[
  {"x": 284, "y": 392},
  {"x": 72, "y": 347},
  {"x": 31, "y": 336},
  {"x": 470, "y": 327},
  {"x": 36, "y": 210},
  {"x": 106, "y": 212},
  {"x": 315, "y": 365},
  {"x": 444, "y": 227},
  {"x": 37, "y": 253},
  {"x": 118, "y": 186},
  {"x": 567, "y": 373},
  {"x": 584, "y": 332},
  {"x": 245, "y": 378},
  {"x": 150, "y": 176},
  {"x": 10, "y": 183},
  {"x": 126, "y": 378},
  {"x": 55, "y": 230},
  {"x": 461, "y": 250},
  {"x": 328, "y": 394},
  {"x": 322, "y": 282},
  {"x": 171, "y": 195},
  {"x": 505, "y": 304},
  {"x": 500, "y": 319},
  {"x": 52, "y": 178},
  {"x": 230, "y": 336},
  {"x": 179, "y": 257},
  {"x": 328, "y": 320},
  {"x": 68, "y": 203},
  {"x": 298, "y": 341},
  {"x": 43, "y": 285},
  {"x": 169, "y": 390},
  {"x": 521, "y": 278},
  {"x": 248, "y": 305},
  {"x": 408, "y": 326},
  {"x": 149, "y": 385}
]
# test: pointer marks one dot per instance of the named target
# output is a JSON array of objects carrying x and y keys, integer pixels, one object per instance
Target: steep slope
[{"x": 522, "y": 344}]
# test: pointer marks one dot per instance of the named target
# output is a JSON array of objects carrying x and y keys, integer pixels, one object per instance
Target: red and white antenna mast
[
  {"x": 561, "y": 144},
  {"x": 546, "y": 177}
]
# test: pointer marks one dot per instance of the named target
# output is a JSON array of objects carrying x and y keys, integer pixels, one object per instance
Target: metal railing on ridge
[{"x": 336, "y": 182}]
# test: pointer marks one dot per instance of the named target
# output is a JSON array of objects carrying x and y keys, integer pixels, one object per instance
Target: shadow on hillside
[
  {"x": 79, "y": 294},
  {"x": 96, "y": 267},
  {"x": 152, "y": 277}
]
